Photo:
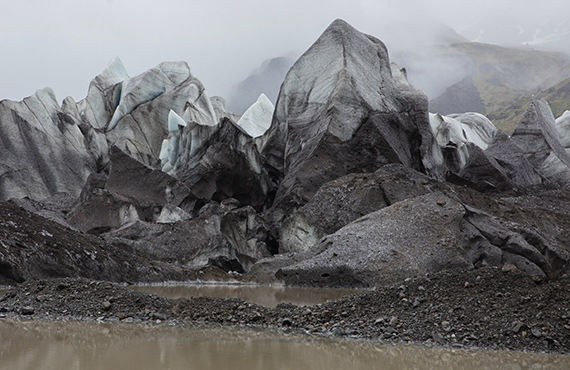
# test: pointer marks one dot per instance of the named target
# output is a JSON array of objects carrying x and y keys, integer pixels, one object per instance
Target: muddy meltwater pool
[
  {"x": 41, "y": 345},
  {"x": 269, "y": 296}
]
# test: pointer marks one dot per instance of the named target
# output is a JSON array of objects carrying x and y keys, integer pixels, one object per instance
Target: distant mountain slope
[
  {"x": 501, "y": 76},
  {"x": 558, "y": 97},
  {"x": 266, "y": 79}
]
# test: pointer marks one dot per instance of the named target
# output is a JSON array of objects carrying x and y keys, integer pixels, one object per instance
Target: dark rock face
[
  {"x": 230, "y": 239},
  {"x": 132, "y": 191},
  {"x": 220, "y": 162},
  {"x": 103, "y": 211},
  {"x": 501, "y": 166},
  {"x": 147, "y": 186},
  {"x": 342, "y": 109},
  {"x": 34, "y": 247}
]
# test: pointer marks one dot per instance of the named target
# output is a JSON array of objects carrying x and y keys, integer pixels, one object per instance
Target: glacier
[{"x": 347, "y": 137}]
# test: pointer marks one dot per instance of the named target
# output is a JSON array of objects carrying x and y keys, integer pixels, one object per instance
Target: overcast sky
[{"x": 65, "y": 43}]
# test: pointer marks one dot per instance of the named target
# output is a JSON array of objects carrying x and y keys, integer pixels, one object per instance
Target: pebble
[
  {"x": 536, "y": 333},
  {"x": 509, "y": 267},
  {"x": 27, "y": 310},
  {"x": 158, "y": 316},
  {"x": 106, "y": 305},
  {"x": 438, "y": 338},
  {"x": 518, "y": 326}
]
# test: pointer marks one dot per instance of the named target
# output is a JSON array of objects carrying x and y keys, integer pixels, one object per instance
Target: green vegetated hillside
[
  {"x": 557, "y": 96},
  {"x": 502, "y": 81}
]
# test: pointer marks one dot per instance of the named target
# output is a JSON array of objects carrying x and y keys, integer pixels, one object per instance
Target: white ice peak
[
  {"x": 147, "y": 86},
  {"x": 463, "y": 128},
  {"x": 115, "y": 71},
  {"x": 174, "y": 120},
  {"x": 257, "y": 118},
  {"x": 170, "y": 146}
]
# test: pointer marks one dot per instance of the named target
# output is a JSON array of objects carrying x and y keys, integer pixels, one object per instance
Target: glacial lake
[
  {"x": 42, "y": 345},
  {"x": 269, "y": 296}
]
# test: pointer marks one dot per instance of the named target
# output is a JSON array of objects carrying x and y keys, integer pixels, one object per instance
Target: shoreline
[{"x": 483, "y": 308}]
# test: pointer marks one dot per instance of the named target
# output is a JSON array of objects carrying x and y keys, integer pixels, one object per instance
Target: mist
[{"x": 64, "y": 43}]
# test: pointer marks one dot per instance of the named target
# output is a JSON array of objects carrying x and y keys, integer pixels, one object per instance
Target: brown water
[
  {"x": 90, "y": 346},
  {"x": 269, "y": 296}
]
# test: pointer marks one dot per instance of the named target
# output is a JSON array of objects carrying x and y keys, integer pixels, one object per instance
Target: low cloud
[{"x": 65, "y": 43}]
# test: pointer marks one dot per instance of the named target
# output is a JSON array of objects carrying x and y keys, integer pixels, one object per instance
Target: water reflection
[
  {"x": 269, "y": 296},
  {"x": 85, "y": 346}
]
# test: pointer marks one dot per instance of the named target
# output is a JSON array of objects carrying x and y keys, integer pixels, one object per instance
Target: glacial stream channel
[
  {"x": 35, "y": 345},
  {"x": 268, "y": 296}
]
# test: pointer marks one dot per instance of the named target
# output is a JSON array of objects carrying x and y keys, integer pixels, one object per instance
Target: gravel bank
[{"x": 482, "y": 308}]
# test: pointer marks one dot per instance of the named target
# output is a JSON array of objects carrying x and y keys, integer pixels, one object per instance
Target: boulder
[
  {"x": 143, "y": 185},
  {"x": 422, "y": 235},
  {"x": 409, "y": 238},
  {"x": 340, "y": 110},
  {"x": 99, "y": 210},
  {"x": 341, "y": 201}
]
